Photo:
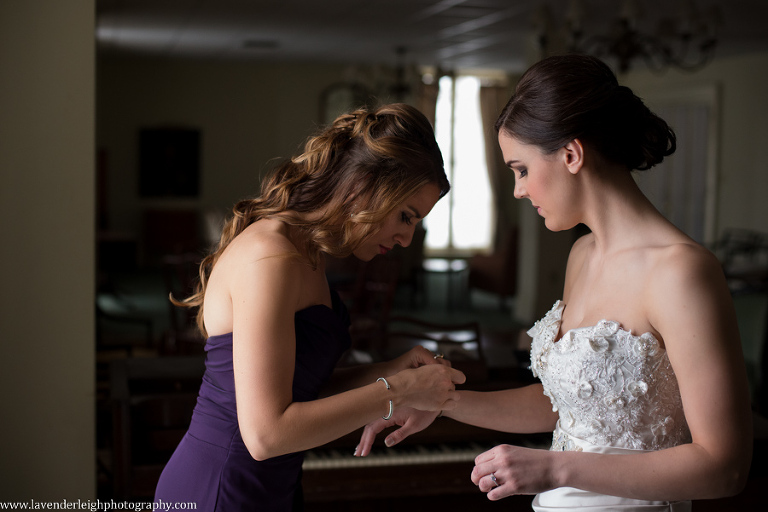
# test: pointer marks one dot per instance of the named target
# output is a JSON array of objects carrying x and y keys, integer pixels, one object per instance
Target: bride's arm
[{"x": 520, "y": 410}]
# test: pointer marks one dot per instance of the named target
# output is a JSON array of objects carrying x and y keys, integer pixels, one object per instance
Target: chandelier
[{"x": 686, "y": 42}]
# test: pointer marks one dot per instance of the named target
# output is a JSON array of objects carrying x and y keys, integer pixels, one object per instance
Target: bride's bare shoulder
[{"x": 685, "y": 265}]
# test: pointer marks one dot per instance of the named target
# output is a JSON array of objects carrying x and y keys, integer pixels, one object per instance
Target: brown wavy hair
[{"x": 353, "y": 174}]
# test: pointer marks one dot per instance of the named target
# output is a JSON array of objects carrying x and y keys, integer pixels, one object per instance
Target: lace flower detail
[
  {"x": 549, "y": 324},
  {"x": 585, "y": 390},
  {"x": 637, "y": 388},
  {"x": 646, "y": 345},
  {"x": 543, "y": 333},
  {"x": 599, "y": 344}
]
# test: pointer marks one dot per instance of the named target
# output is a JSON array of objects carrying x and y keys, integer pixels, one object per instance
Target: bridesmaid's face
[{"x": 398, "y": 227}]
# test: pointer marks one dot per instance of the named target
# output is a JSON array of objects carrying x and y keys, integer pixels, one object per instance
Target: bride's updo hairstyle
[
  {"x": 349, "y": 177},
  {"x": 568, "y": 97}
]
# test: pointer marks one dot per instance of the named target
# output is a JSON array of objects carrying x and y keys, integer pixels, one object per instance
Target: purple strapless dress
[{"x": 211, "y": 466}]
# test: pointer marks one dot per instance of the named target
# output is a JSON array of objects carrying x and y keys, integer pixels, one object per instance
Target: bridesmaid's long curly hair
[{"x": 352, "y": 175}]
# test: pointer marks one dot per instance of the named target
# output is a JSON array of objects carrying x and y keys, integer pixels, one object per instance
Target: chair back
[
  {"x": 460, "y": 343},
  {"x": 152, "y": 403}
]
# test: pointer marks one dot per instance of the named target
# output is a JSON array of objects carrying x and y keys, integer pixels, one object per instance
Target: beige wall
[
  {"x": 248, "y": 114},
  {"x": 743, "y": 111},
  {"x": 46, "y": 220}
]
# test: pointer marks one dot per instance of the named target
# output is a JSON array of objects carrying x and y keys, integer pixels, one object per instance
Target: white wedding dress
[{"x": 615, "y": 393}]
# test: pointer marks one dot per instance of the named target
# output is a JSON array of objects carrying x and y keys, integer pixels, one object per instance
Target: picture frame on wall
[{"x": 169, "y": 162}]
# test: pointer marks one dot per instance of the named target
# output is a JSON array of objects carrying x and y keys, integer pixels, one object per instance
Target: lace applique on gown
[{"x": 615, "y": 392}]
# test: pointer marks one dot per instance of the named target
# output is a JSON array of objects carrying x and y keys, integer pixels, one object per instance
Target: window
[{"x": 461, "y": 223}]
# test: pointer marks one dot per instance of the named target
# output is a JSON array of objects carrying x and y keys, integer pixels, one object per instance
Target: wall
[
  {"x": 743, "y": 110},
  {"x": 248, "y": 115},
  {"x": 46, "y": 221}
]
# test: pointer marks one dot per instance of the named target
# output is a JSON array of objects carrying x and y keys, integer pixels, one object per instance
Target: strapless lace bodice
[{"x": 610, "y": 387}]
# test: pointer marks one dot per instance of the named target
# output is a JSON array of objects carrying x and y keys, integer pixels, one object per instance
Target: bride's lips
[{"x": 384, "y": 250}]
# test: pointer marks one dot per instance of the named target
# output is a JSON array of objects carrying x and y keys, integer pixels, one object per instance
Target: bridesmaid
[
  {"x": 642, "y": 376},
  {"x": 275, "y": 330}
]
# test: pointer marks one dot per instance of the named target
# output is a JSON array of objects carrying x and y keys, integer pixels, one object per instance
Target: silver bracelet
[{"x": 391, "y": 406}]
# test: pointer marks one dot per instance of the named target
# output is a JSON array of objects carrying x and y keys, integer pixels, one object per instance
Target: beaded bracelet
[{"x": 391, "y": 406}]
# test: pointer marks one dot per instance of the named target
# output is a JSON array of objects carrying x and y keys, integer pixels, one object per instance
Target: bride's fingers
[
  {"x": 369, "y": 436},
  {"x": 396, "y": 436},
  {"x": 494, "y": 482},
  {"x": 483, "y": 469},
  {"x": 483, "y": 457}
]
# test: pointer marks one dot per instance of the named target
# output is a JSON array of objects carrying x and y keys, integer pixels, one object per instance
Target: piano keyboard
[{"x": 395, "y": 456}]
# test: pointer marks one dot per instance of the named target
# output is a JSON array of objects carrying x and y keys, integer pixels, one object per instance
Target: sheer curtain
[
  {"x": 677, "y": 186},
  {"x": 683, "y": 187},
  {"x": 426, "y": 100},
  {"x": 492, "y": 100}
]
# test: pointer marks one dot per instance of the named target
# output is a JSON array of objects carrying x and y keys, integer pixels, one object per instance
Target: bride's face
[{"x": 542, "y": 179}]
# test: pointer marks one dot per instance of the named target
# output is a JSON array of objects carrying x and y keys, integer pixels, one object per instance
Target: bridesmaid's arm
[
  {"x": 265, "y": 295},
  {"x": 344, "y": 379}
]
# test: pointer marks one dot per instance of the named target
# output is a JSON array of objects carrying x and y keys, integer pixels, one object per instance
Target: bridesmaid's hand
[
  {"x": 417, "y": 356},
  {"x": 429, "y": 388},
  {"x": 409, "y": 420}
]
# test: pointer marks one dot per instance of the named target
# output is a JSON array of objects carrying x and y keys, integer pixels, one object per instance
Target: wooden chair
[
  {"x": 497, "y": 272},
  {"x": 122, "y": 332},
  {"x": 371, "y": 303},
  {"x": 152, "y": 402},
  {"x": 460, "y": 343},
  {"x": 411, "y": 276}
]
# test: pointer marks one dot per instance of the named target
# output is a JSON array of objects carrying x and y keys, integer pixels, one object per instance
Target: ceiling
[{"x": 452, "y": 34}]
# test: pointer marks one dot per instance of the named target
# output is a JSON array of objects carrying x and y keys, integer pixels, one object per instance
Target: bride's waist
[{"x": 565, "y": 440}]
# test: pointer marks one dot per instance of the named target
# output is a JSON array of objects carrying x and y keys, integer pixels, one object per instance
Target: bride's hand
[
  {"x": 410, "y": 421},
  {"x": 506, "y": 470}
]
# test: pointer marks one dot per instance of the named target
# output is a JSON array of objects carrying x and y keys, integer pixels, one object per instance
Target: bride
[{"x": 642, "y": 376}]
